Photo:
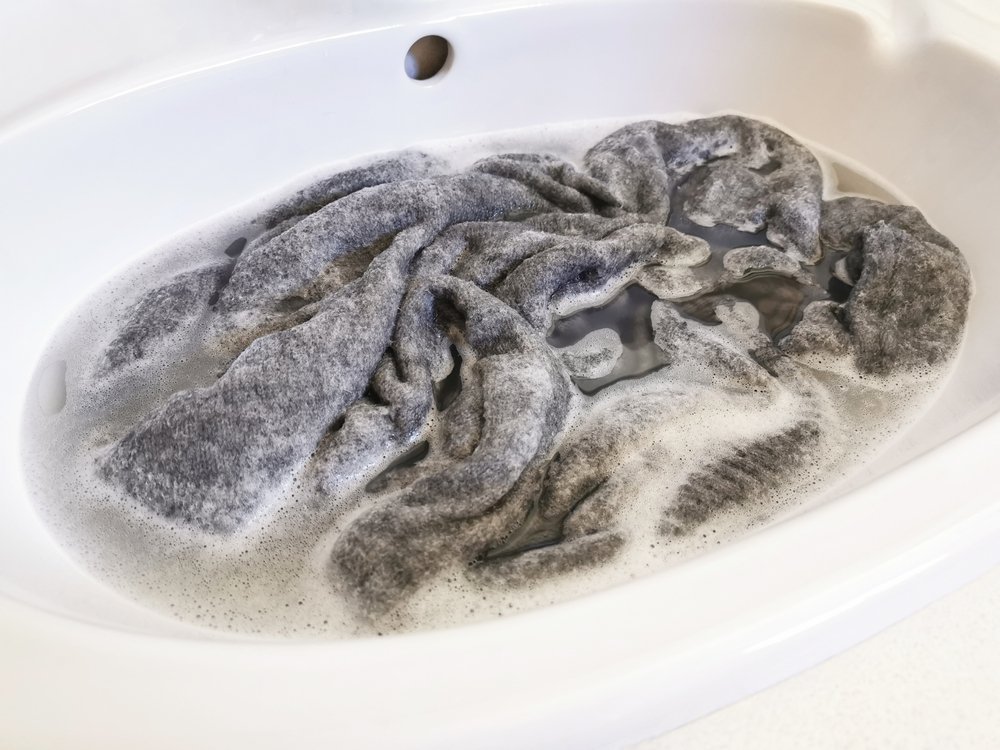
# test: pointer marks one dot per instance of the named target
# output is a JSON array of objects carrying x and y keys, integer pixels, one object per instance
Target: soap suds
[{"x": 487, "y": 375}]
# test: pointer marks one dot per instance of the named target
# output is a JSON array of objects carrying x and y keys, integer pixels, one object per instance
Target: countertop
[{"x": 929, "y": 681}]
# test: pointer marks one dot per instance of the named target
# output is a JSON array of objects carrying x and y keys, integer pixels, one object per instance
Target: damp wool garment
[{"x": 369, "y": 290}]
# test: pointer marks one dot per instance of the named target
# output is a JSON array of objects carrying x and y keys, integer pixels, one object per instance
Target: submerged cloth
[{"x": 401, "y": 307}]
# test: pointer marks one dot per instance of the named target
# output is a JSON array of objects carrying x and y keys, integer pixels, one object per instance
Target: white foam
[{"x": 273, "y": 578}]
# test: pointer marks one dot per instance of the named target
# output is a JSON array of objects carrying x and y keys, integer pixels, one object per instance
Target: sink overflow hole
[{"x": 426, "y": 57}]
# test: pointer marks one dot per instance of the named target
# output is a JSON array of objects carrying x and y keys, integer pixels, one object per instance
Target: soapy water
[{"x": 689, "y": 394}]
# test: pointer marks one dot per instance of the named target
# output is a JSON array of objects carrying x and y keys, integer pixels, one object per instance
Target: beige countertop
[{"x": 931, "y": 681}]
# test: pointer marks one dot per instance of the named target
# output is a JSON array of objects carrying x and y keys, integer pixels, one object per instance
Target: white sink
[{"x": 910, "y": 96}]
